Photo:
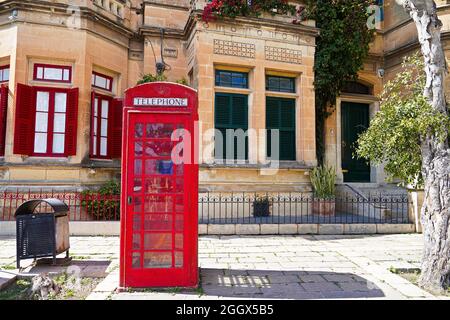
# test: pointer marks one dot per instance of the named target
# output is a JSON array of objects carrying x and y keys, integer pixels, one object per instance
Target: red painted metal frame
[
  {"x": 187, "y": 276},
  {"x": 111, "y": 79},
  {"x": 53, "y": 66},
  {"x": 3, "y": 68},
  {"x": 3, "y": 116},
  {"x": 50, "y": 122},
  {"x": 83, "y": 206}
]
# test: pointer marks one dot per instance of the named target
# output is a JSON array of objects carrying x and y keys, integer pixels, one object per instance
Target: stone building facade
[{"x": 64, "y": 67}]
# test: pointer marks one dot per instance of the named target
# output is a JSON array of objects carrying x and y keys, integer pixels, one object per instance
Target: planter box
[
  {"x": 261, "y": 209},
  {"x": 324, "y": 207}
]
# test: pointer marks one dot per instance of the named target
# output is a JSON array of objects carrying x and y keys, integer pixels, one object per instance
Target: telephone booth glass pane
[{"x": 158, "y": 188}]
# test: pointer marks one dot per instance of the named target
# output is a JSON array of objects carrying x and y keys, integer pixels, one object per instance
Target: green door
[{"x": 355, "y": 120}]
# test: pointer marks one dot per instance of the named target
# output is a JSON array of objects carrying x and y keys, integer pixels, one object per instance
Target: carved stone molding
[
  {"x": 283, "y": 55},
  {"x": 231, "y": 48}
]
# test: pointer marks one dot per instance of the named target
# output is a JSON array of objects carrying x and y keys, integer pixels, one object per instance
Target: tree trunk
[{"x": 435, "y": 218}]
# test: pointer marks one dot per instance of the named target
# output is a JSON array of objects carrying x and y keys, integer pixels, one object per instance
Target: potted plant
[
  {"x": 261, "y": 207},
  {"x": 323, "y": 180}
]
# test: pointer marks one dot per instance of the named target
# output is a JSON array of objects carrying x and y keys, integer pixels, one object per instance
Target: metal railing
[
  {"x": 84, "y": 206},
  {"x": 236, "y": 208},
  {"x": 302, "y": 208}
]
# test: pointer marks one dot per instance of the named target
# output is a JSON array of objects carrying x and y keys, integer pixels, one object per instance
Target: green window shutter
[
  {"x": 287, "y": 114},
  {"x": 280, "y": 115},
  {"x": 231, "y": 112},
  {"x": 287, "y": 145},
  {"x": 272, "y": 114},
  {"x": 239, "y": 116},
  {"x": 222, "y": 111}
]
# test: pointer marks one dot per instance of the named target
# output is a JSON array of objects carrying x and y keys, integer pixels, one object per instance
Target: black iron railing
[
  {"x": 238, "y": 208},
  {"x": 302, "y": 208}
]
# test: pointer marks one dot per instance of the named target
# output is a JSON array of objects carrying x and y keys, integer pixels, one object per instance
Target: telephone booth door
[{"x": 160, "y": 194}]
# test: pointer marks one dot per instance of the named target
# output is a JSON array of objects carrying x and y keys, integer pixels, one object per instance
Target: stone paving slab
[{"x": 271, "y": 267}]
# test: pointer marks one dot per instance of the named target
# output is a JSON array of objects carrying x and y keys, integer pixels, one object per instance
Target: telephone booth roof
[{"x": 162, "y": 90}]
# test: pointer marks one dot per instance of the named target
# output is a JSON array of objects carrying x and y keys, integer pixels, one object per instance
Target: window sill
[
  {"x": 41, "y": 162},
  {"x": 232, "y": 90},
  {"x": 56, "y": 159},
  {"x": 281, "y": 94},
  {"x": 103, "y": 92},
  {"x": 101, "y": 164},
  {"x": 50, "y": 84},
  {"x": 282, "y": 165}
]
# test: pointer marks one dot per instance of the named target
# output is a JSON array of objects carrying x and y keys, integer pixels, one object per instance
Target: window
[
  {"x": 46, "y": 121},
  {"x": 106, "y": 127},
  {"x": 4, "y": 74},
  {"x": 280, "y": 115},
  {"x": 280, "y": 84},
  {"x": 231, "y": 79},
  {"x": 100, "y": 126},
  {"x": 50, "y": 123},
  {"x": 231, "y": 114},
  {"x": 102, "y": 81},
  {"x": 54, "y": 73},
  {"x": 380, "y": 3}
]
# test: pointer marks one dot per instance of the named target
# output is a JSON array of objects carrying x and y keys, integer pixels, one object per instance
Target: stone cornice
[
  {"x": 168, "y": 32},
  {"x": 264, "y": 22},
  {"x": 410, "y": 46},
  {"x": 46, "y": 6},
  {"x": 195, "y": 17},
  {"x": 171, "y": 6}
]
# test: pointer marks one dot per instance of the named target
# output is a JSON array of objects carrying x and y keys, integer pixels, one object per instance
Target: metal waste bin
[{"x": 42, "y": 234}]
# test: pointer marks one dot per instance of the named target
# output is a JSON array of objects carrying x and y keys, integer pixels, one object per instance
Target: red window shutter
[
  {"x": 115, "y": 139},
  {"x": 24, "y": 121},
  {"x": 71, "y": 122},
  {"x": 91, "y": 141},
  {"x": 3, "y": 113}
]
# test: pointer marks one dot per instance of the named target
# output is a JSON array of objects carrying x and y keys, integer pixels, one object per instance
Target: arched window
[{"x": 357, "y": 88}]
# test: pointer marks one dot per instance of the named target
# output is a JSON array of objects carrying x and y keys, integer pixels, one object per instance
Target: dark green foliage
[
  {"x": 152, "y": 78},
  {"x": 342, "y": 47},
  {"x": 261, "y": 207},
  {"x": 103, "y": 204},
  {"x": 147, "y": 78},
  {"x": 405, "y": 118}
]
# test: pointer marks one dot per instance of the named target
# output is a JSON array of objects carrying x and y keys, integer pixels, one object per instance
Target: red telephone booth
[{"x": 159, "y": 228}]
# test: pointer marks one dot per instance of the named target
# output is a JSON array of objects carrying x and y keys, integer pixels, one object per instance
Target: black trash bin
[{"x": 42, "y": 234}]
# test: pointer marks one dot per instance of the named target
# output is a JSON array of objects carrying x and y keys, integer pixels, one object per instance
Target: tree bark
[{"x": 435, "y": 218}]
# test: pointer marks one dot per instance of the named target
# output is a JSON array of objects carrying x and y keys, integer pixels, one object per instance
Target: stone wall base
[
  {"x": 8, "y": 228},
  {"x": 305, "y": 229}
]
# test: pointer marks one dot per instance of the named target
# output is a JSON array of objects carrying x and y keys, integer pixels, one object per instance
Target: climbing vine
[{"x": 342, "y": 47}]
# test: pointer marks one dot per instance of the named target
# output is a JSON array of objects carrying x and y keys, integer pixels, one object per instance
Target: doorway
[{"x": 355, "y": 121}]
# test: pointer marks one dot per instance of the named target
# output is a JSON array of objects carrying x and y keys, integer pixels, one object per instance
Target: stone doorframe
[{"x": 377, "y": 174}]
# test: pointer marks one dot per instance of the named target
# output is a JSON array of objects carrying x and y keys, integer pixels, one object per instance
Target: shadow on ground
[
  {"x": 82, "y": 268},
  {"x": 307, "y": 237},
  {"x": 286, "y": 284}
]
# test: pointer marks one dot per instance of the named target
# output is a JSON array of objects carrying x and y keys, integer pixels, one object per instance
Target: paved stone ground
[{"x": 265, "y": 267}]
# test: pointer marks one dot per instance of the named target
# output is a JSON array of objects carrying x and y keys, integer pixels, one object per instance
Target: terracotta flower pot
[{"x": 324, "y": 207}]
